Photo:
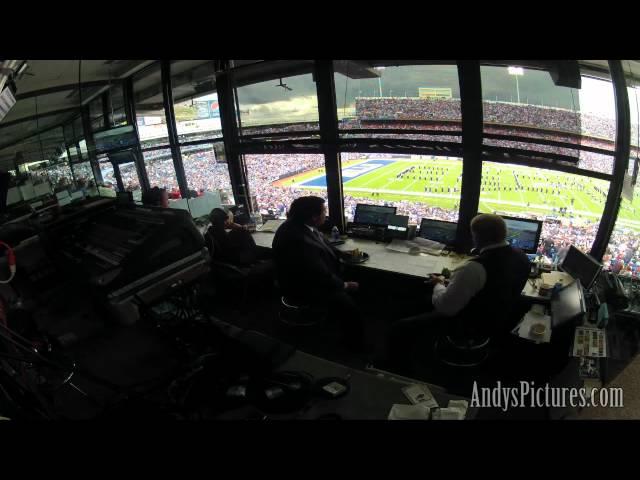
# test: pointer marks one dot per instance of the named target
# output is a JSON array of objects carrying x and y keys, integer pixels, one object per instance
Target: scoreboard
[{"x": 435, "y": 93}]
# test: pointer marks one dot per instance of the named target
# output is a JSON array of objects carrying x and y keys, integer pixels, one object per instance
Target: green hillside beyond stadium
[{"x": 505, "y": 188}]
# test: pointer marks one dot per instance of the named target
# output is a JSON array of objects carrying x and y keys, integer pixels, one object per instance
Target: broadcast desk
[{"x": 380, "y": 258}]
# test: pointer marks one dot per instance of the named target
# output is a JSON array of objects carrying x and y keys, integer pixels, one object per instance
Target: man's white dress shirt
[{"x": 465, "y": 282}]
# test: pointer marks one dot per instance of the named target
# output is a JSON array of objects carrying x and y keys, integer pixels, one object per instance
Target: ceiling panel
[
  {"x": 42, "y": 74},
  {"x": 52, "y": 102}
]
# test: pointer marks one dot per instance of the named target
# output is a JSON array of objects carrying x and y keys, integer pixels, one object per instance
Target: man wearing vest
[{"x": 481, "y": 297}]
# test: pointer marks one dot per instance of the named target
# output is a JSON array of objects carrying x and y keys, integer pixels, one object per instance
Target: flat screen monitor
[
  {"x": 202, "y": 206},
  {"x": 398, "y": 226},
  {"x": 581, "y": 266},
  {"x": 14, "y": 196},
  {"x": 568, "y": 304},
  {"x": 523, "y": 233},
  {"x": 124, "y": 198},
  {"x": 62, "y": 194},
  {"x": 119, "y": 158},
  {"x": 398, "y": 223},
  {"x": 114, "y": 139},
  {"x": 373, "y": 214},
  {"x": 438, "y": 231}
]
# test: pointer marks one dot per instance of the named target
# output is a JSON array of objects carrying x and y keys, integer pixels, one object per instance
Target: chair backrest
[
  {"x": 212, "y": 244},
  {"x": 208, "y": 240}
]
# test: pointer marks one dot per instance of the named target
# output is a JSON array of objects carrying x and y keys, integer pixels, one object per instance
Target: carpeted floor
[{"x": 629, "y": 381}]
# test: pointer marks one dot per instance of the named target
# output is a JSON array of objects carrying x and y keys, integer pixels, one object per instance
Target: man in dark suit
[{"x": 308, "y": 267}]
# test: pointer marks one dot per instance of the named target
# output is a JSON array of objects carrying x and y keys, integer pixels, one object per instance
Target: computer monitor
[
  {"x": 202, "y": 206},
  {"x": 398, "y": 226},
  {"x": 567, "y": 304},
  {"x": 376, "y": 215},
  {"x": 438, "y": 231},
  {"x": 62, "y": 194},
  {"x": 114, "y": 139},
  {"x": 124, "y": 198},
  {"x": 123, "y": 157},
  {"x": 523, "y": 233},
  {"x": 581, "y": 266}
]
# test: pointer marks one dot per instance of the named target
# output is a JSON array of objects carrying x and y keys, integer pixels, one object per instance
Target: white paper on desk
[
  {"x": 420, "y": 394},
  {"x": 523, "y": 330},
  {"x": 402, "y": 246},
  {"x": 461, "y": 405},
  {"x": 270, "y": 226},
  {"x": 428, "y": 246},
  {"x": 449, "y": 413},
  {"x": 395, "y": 262},
  {"x": 409, "y": 412},
  {"x": 552, "y": 278}
]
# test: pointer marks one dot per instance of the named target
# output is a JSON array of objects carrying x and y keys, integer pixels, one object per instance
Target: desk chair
[
  {"x": 462, "y": 349},
  {"x": 470, "y": 345},
  {"x": 297, "y": 322},
  {"x": 232, "y": 277},
  {"x": 294, "y": 313}
]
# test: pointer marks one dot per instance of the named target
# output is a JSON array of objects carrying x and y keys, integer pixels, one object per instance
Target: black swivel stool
[
  {"x": 463, "y": 351},
  {"x": 294, "y": 313},
  {"x": 471, "y": 345}
]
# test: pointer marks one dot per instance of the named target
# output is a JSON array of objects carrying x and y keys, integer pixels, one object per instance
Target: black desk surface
[
  {"x": 372, "y": 392},
  {"x": 371, "y": 396}
]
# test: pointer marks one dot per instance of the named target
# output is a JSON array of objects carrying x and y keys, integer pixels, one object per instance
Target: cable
[{"x": 11, "y": 260}]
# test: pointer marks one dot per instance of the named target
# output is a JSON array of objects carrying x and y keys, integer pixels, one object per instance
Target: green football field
[{"x": 501, "y": 192}]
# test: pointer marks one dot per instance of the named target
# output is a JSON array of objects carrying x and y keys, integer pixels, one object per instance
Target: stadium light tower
[
  {"x": 380, "y": 69},
  {"x": 517, "y": 72}
]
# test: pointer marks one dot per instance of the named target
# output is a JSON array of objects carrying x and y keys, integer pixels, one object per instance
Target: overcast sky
[{"x": 267, "y": 100}]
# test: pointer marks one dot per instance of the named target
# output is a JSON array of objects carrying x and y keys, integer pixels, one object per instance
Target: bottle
[
  {"x": 335, "y": 234},
  {"x": 256, "y": 218}
]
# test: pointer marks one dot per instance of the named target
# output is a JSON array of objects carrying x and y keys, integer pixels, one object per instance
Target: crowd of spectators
[
  {"x": 269, "y": 182},
  {"x": 504, "y": 113},
  {"x": 264, "y": 170},
  {"x": 623, "y": 254},
  {"x": 402, "y": 114}
]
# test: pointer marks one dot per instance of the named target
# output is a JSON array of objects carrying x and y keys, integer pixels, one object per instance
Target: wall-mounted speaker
[{"x": 566, "y": 73}]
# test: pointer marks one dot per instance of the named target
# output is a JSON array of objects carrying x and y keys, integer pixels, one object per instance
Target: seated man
[
  {"x": 307, "y": 267},
  {"x": 232, "y": 243},
  {"x": 482, "y": 295}
]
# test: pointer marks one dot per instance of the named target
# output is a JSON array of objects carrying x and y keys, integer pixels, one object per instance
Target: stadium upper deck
[{"x": 502, "y": 113}]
